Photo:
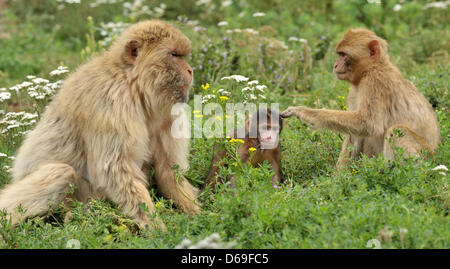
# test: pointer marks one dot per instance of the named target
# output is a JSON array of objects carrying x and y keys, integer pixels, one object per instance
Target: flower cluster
[
  {"x": 97, "y": 3},
  {"x": 213, "y": 94},
  {"x": 211, "y": 242},
  {"x": 4, "y": 95},
  {"x": 60, "y": 70},
  {"x": 298, "y": 39},
  {"x": 38, "y": 88},
  {"x": 12, "y": 122},
  {"x": 253, "y": 92}
]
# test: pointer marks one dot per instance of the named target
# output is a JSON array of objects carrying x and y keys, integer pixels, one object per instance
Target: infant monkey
[{"x": 261, "y": 132}]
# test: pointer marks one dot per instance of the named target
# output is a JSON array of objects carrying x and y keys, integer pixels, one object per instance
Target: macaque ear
[
  {"x": 374, "y": 48},
  {"x": 131, "y": 51}
]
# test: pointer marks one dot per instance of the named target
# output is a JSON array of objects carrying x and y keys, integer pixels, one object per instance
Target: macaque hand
[{"x": 293, "y": 111}]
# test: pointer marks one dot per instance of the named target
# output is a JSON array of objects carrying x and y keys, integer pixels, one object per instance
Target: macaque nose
[{"x": 335, "y": 66}]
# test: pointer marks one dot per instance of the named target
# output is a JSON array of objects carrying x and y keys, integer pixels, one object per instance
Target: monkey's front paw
[
  {"x": 192, "y": 210},
  {"x": 293, "y": 111},
  {"x": 287, "y": 113},
  {"x": 156, "y": 224}
]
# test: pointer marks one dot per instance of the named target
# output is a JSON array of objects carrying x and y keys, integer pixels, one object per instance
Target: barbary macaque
[
  {"x": 260, "y": 143},
  {"x": 385, "y": 109},
  {"x": 111, "y": 118}
]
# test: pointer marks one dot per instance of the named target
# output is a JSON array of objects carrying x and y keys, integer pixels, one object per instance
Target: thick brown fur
[
  {"x": 111, "y": 117},
  {"x": 380, "y": 101},
  {"x": 272, "y": 155}
]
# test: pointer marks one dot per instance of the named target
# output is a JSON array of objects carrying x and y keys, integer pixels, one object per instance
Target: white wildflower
[
  {"x": 69, "y": 1},
  {"x": 397, "y": 7},
  {"x": 207, "y": 97},
  {"x": 211, "y": 242},
  {"x": 40, "y": 80},
  {"x": 60, "y": 70},
  {"x": 199, "y": 28},
  {"x": 251, "y": 31},
  {"x": 297, "y": 39},
  {"x": 237, "y": 78},
  {"x": 252, "y": 82},
  {"x": 261, "y": 87},
  {"x": 223, "y": 92},
  {"x": 21, "y": 85},
  {"x": 222, "y": 23},
  {"x": 99, "y": 2},
  {"x": 227, "y": 3},
  {"x": 3, "y": 155},
  {"x": 259, "y": 14},
  {"x": 442, "y": 5},
  {"x": 4, "y": 96},
  {"x": 29, "y": 116},
  {"x": 440, "y": 167}
]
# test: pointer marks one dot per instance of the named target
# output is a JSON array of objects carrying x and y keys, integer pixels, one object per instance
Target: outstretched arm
[{"x": 347, "y": 122}]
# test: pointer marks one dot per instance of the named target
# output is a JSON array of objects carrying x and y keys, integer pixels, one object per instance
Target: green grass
[{"x": 402, "y": 203}]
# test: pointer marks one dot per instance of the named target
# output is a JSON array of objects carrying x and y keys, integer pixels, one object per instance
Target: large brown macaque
[
  {"x": 380, "y": 102},
  {"x": 111, "y": 118},
  {"x": 261, "y": 134}
]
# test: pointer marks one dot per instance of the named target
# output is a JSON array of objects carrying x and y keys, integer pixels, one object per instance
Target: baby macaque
[{"x": 261, "y": 142}]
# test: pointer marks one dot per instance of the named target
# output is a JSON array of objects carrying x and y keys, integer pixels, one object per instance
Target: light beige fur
[
  {"x": 380, "y": 100},
  {"x": 110, "y": 118}
]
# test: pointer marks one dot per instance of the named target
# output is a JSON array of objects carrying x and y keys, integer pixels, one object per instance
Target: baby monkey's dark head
[{"x": 265, "y": 125}]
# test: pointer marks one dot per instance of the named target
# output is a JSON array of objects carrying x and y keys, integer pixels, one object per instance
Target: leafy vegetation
[{"x": 287, "y": 46}]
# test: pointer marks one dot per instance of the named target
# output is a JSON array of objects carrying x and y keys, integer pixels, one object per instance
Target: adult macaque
[
  {"x": 380, "y": 101},
  {"x": 262, "y": 131},
  {"x": 111, "y": 118}
]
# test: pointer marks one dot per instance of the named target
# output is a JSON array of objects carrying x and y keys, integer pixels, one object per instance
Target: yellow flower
[
  {"x": 345, "y": 108},
  {"x": 108, "y": 237},
  {"x": 205, "y": 87},
  {"x": 224, "y": 97},
  {"x": 199, "y": 116},
  {"x": 252, "y": 149},
  {"x": 218, "y": 118},
  {"x": 227, "y": 116},
  {"x": 235, "y": 164},
  {"x": 158, "y": 204},
  {"x": 239, "y": 140},
  {"x": 122, "y": 228},
  {"x": 196, "y": 111},
  {"x": 213, "y": 91}
]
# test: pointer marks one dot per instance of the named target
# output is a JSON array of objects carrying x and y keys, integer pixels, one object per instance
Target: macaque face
[
  {"x": 183, "y": 75},
  {"x": 343, "y": 66},
  {"x": 166, "y": 69},
  {"x": 268, "y": 135},
  {"x": 178, "y": 74}
]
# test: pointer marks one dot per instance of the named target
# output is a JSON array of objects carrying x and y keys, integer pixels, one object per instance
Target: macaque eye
[
  {"x": 175, "y": 54},
  {"x": 342, "y": 54}
]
